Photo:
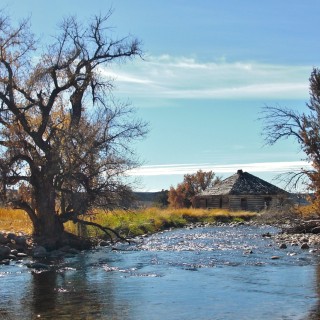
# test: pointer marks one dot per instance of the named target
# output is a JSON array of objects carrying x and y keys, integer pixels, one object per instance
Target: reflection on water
[
  {"x": 314, "y": 314},
  {"x": 209, "y": 273}
]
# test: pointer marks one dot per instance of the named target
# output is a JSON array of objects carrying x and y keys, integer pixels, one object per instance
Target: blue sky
[{"x": 209, "y": 68}]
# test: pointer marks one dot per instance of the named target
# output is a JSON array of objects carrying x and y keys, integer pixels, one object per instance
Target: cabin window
[
  {"x": 220, "y": 203},
  {"x": 267, "y": 202},
  {"x": 244, "y": 204}
]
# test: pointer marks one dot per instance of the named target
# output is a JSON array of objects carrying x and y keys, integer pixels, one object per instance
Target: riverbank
[
  {"x": 14, "y": 247},
  {"x": 128, "y": 223},
  {"x": 16, "y": 240},
  {"x": 16, "y": 230}
]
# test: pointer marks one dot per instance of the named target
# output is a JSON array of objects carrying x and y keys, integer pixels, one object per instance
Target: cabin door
[
  {"x": 244, "y": 204},
  {"x": 203, "y": 203}
]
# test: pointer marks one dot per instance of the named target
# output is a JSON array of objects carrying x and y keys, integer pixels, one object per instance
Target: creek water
[{"x": 203, "y": 273}]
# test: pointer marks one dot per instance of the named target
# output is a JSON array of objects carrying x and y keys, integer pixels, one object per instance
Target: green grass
[{"x": 130, "y": 223}]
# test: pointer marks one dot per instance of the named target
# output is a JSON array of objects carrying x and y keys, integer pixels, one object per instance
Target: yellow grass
[
  {"x": 12, "y": 220},
  {"x": 308, "y": 212},
  {"x": 129, "y": 223},
  {"x": 150, "y": 220}
]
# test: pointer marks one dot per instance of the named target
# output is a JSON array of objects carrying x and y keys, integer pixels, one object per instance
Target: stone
[
  {"x": 3, "y": 239},
  {"x": 291, "y": 254},
  {"x": 21, "y": 255},
  {"x": 56, "y": 254},
  {"x": 39, "y": 252},
  {"x": 11, "y": 236},
  {"x": 73, "y": 251},
  {"x": 104, "y": 243},
  {"x": 266, "y": 235},
  {"x": 283, "y": 246},
  {"x": 275, "y": 257},
  {"x": 21, "y": 241},
  {"x": 38, "y": 266},
  {"x": 65, "y": 248},
  {"x": 315, "y": 230},
  {"x": 5, "y": 262},
  {"x": 305, "y": 246},
  {"x": 5, "y": 251},
  {"x": 68, "y": 249},
  {"x": 14, "y": 252}
]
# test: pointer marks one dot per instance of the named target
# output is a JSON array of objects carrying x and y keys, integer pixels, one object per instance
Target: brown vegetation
[{"x": 183, "y": 196}]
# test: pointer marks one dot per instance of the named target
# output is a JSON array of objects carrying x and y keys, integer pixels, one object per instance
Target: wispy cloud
[
  {"x": 180, "y": 169},
  {"x": 180, "y": 77}
]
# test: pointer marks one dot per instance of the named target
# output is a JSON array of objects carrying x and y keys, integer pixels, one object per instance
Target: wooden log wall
[{"x": 238, "y": 202}]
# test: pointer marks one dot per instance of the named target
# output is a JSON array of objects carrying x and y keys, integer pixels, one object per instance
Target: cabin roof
[{"x": 243, "y": 183}]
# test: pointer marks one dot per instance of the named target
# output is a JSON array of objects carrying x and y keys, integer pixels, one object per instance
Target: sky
[{"x": 209, "y": 68}]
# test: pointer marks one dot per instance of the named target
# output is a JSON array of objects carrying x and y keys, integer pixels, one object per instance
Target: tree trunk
[{"x": 49, "y": 225}]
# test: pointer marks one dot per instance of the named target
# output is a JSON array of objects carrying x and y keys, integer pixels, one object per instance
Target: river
[{"x": 203, "y": 273}]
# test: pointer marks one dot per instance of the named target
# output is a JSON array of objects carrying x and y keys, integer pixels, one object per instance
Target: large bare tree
[
  {"x": 65, "y": 141},
  {"x": 304, "y": 128}
]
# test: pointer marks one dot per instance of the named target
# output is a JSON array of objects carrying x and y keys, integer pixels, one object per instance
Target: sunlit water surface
[{"x": 204, "y": 273}]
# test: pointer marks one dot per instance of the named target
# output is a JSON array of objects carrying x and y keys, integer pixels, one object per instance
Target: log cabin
[{"x": 241, "y": 191}]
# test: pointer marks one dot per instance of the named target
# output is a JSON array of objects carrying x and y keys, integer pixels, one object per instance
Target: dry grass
[
  {"x": 310, "y": 211},
  {"x": 12, "y": 220},
  {"x": 151, "y": 220},
  {"x": 130, "y": 223}
]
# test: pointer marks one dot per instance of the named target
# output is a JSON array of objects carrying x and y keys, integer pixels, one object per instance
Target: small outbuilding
[{"x": 241, "y": 191}]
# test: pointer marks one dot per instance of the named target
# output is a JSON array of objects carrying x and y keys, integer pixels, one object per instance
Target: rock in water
[
  {"x": 38, "y": 266},
  {"x": 5, "y": 251},
  {"x": 3, "y": 239},
  {"x": 39, "y": 252},
  {"x": 21, "y": 241},
  {"x": 305, "y": 246},
  {"x": 21, "y": 255}
]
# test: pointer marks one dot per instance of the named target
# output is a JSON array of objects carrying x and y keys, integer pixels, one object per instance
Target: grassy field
[{"x": 129, "y": 223}]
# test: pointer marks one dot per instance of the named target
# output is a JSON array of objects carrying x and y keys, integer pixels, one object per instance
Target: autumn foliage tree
[
  {"x": 65, "y": 141},
  {"x": 183, "y": 195},
  {"x": 304, "y": 127}
]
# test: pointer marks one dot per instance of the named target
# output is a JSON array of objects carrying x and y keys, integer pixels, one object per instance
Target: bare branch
[
  {"x": 20, "y": 204},
  {"x": 281, "y": 123},
  {"x": 105, "y": 229}
]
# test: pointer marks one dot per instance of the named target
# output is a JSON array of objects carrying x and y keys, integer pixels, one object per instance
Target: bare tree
[
  {"x": 304, "y": 128},
  {"x": 64, "y": 140}
]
